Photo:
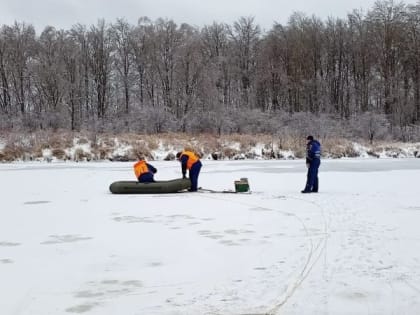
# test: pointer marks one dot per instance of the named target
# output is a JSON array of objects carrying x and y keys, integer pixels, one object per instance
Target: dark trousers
[
  {"x": 146, "y": 178},
  {"x": 194, "y": 172},
  {"x": 312, "y": 177}
]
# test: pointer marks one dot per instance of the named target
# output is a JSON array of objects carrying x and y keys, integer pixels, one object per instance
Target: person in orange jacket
[
  {"x": 191, "y": 162},
  {"x": 144, "y": 171}
]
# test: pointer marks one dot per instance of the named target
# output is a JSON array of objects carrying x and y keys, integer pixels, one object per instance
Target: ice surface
[{"x": 68, "y": 246}]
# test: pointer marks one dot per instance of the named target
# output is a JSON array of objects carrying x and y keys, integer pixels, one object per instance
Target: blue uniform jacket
[{"x": 313, "y": 151}]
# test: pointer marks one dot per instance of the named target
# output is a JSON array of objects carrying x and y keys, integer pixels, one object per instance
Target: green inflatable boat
[{"x": 158, "y": 187}]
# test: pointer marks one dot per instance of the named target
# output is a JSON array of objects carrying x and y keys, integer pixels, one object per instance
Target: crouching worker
[
  {"x": 144, "y": 171},
  {"x": 191, "y": 162}
]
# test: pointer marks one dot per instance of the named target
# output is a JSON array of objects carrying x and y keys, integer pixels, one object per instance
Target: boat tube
[{"x": 158, "y": 187}]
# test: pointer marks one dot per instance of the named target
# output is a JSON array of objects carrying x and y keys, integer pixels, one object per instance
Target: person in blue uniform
[
  {"x": 313, "y": 161},
  {"x": 191, "y": 162}
]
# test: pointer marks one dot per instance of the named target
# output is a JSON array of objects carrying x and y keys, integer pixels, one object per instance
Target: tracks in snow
[{"x": 317, "y": 248}]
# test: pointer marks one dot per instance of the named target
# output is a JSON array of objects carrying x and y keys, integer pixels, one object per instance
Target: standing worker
[
  {"x": 144, "y": 171},
  {"x": 191, "y": 162},
  {"x": 313, "y": 161}
]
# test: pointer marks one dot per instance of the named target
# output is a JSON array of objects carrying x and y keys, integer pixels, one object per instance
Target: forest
[{"x": 357, "y": 77}]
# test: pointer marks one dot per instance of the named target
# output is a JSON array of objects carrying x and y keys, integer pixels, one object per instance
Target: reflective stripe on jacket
[
  {"x": 192, "y": 158},
  {"x": 140, "y": 168},
  {"x": 313, "y": 150}
]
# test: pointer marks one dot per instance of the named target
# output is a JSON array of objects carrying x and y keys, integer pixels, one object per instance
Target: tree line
[{"x": 359, "y": 74}]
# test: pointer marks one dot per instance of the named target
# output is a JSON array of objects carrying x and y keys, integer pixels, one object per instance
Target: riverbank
[{"x": 64, "y": 146}]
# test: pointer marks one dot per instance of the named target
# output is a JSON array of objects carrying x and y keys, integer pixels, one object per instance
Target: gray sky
[{"x": 65, "y": 13}]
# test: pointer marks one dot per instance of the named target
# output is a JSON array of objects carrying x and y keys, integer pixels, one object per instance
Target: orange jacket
[
  {"x": 140, "y": 168},
  {"x": 192, "y": 158}
]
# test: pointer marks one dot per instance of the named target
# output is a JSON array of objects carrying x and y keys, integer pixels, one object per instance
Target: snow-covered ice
[{"x": 68, "y": 246}]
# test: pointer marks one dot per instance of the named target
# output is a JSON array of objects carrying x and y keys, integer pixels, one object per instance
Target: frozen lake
[{"x": 68, "y": 246}]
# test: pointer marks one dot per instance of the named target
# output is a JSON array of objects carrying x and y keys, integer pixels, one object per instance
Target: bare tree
[
  {"x": 140, "y": 46},
  {"x": 48, "y": 77},
  {"x": 216, "y": 89},
  {"x": 79, "y": 35},
  {"x": 166, "y": 42},
  {"x": 5, "y": 88},
  {"x": 21, "y": 42},
  {"x": 120, "y": 33},
  {"x": 72, "y": 79},
  {"x": 245, "y": 42},
  {"x": 386, "y": 21},
  {"x": 100, "y": 48},
  {"x": 189, "y": 73},
  {"x": 361, "y": 60},
  {"x": 413, "y": 55}
]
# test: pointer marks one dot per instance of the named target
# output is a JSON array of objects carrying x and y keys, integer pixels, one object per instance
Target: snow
[
  {"x": 121, "y": 148},
  {"x": 162, "y": 151},
  {"x": 361, "y": 149},
  {"x": 46, "y": 153},
  {"x": 81, "y": 147},
  {"x": 68, "y": 246}
]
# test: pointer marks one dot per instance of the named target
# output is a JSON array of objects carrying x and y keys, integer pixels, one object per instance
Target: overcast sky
[{"x": 65, "y": 13}]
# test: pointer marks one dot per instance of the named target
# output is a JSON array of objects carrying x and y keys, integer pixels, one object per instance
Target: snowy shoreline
[{"x": 88, "y": 147}]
